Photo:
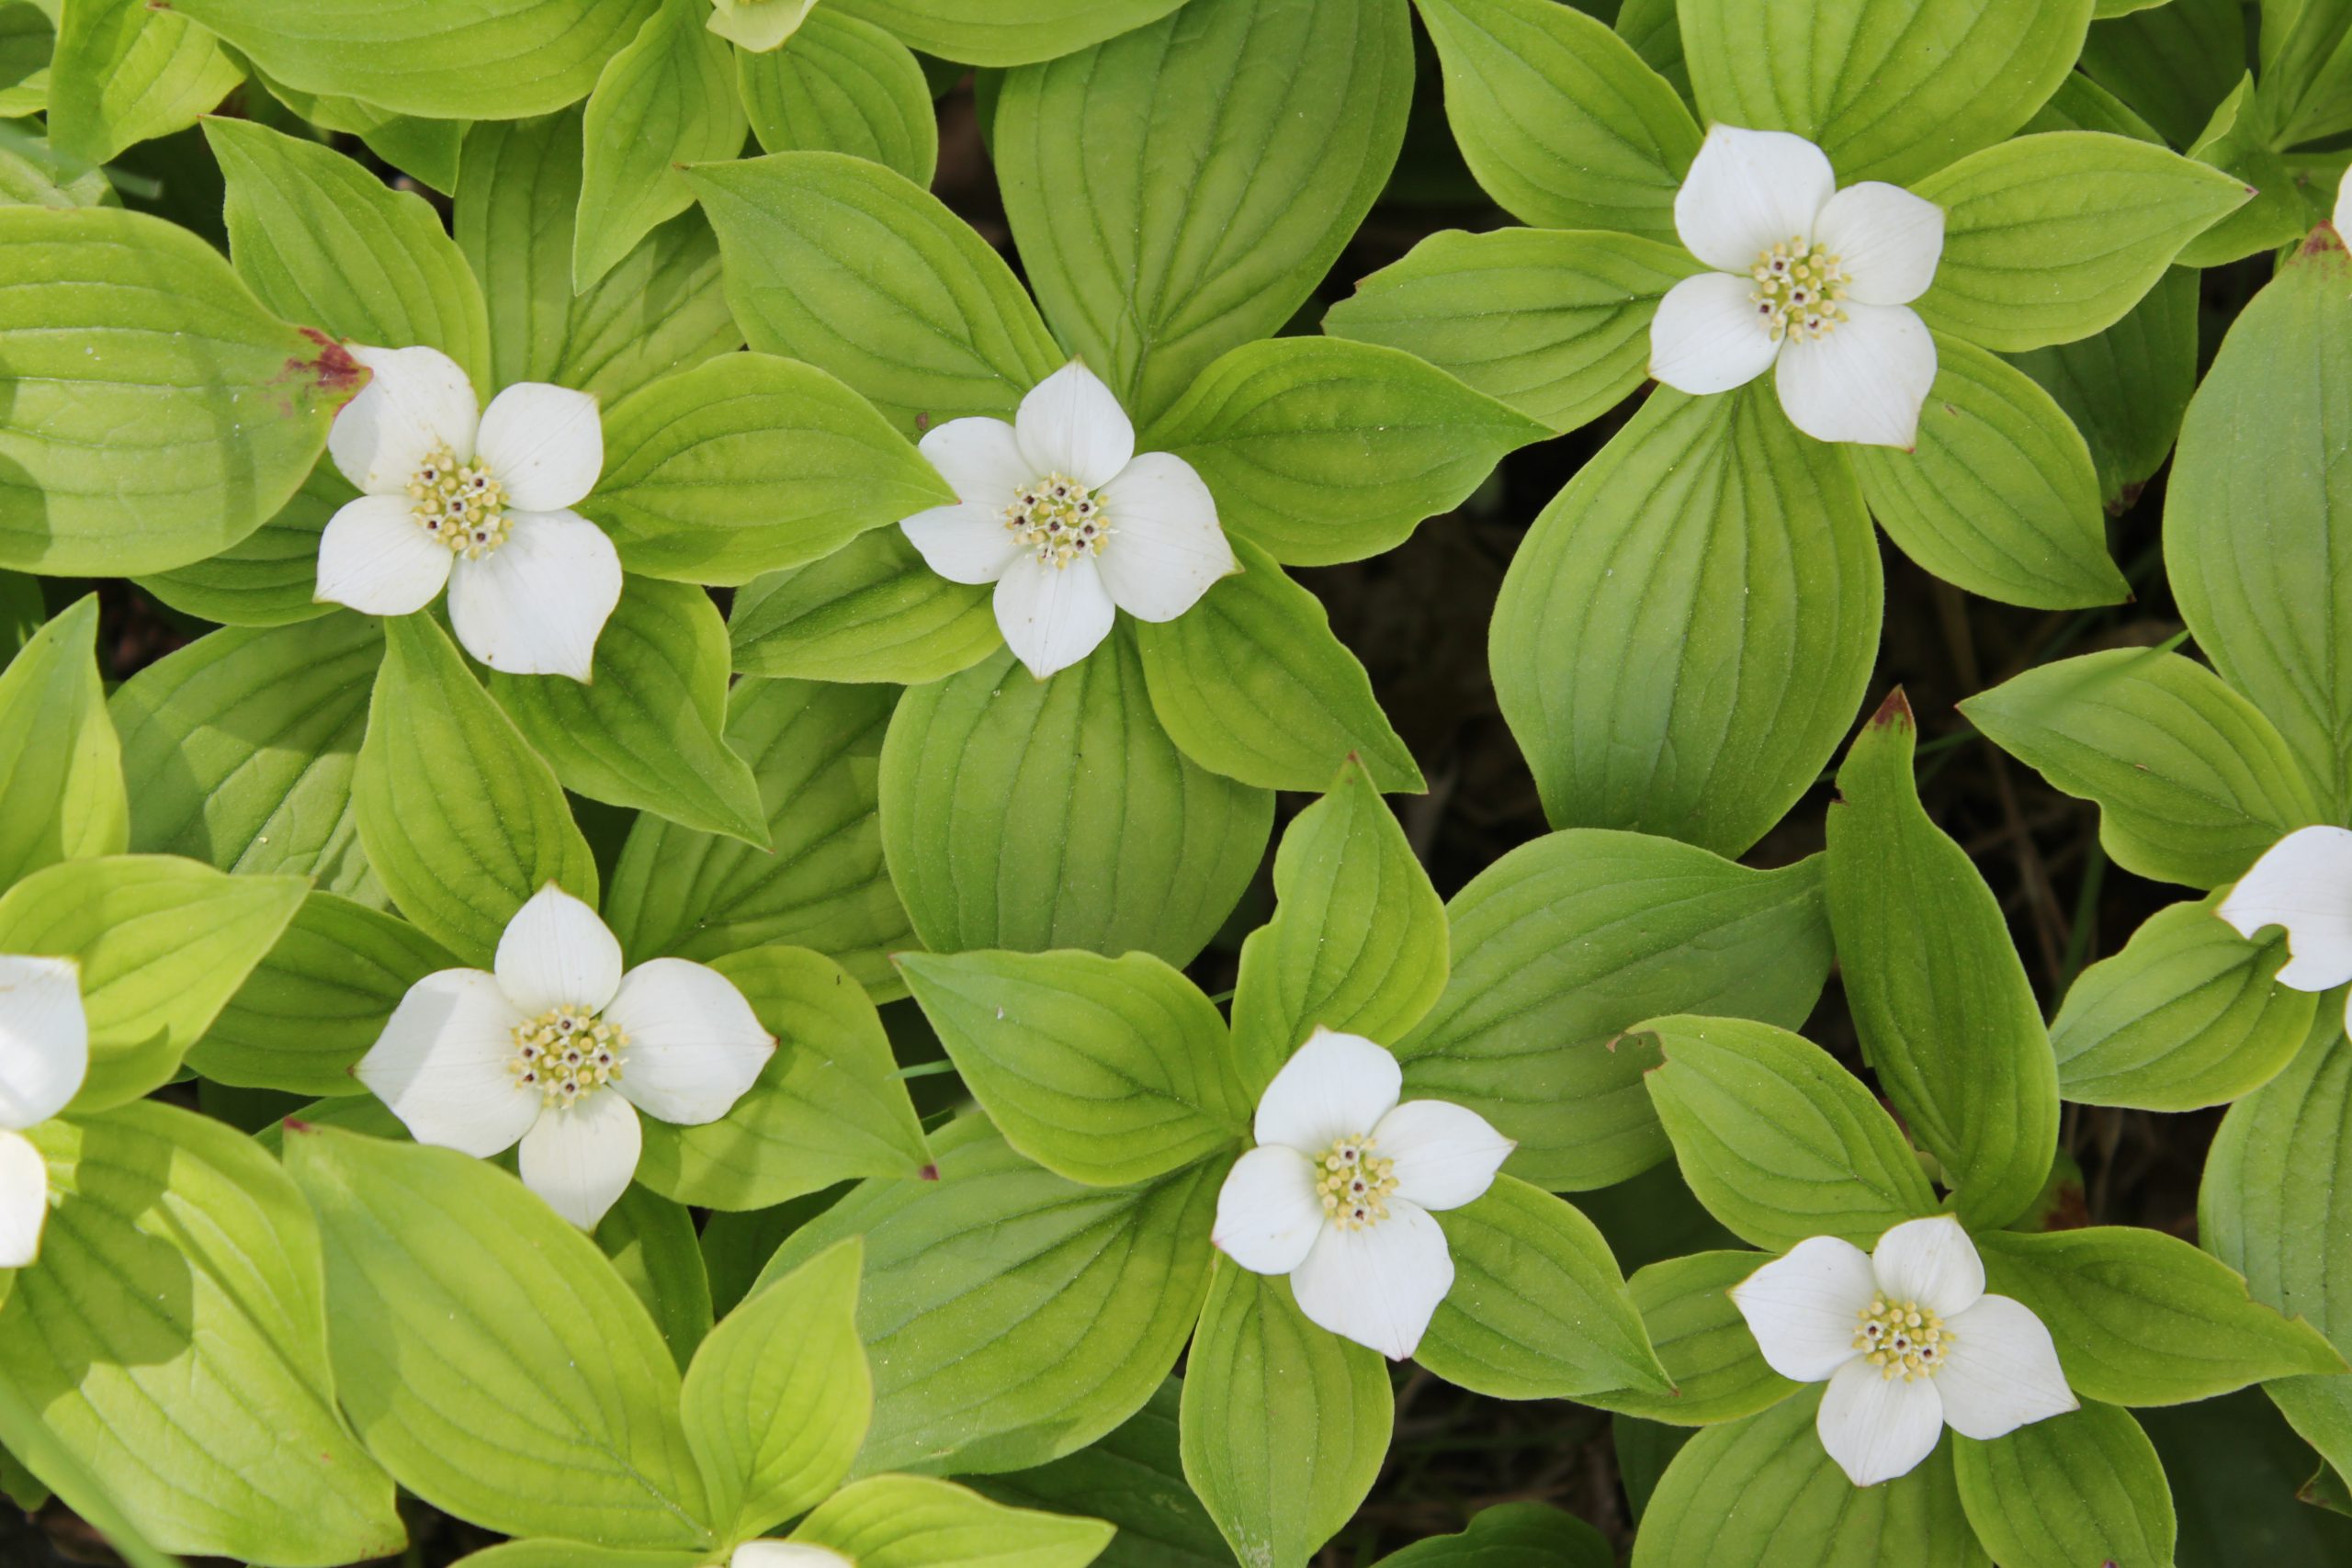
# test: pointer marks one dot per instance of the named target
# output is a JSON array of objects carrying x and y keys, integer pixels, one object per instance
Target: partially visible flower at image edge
[
  {"x": 44, "y": 1057},
  {"x": 1339, "y": 1190},
  {"x": 1908, "y": 1341},
  {"x": 561, "y": 1050},
  {"x": 2302, "y": 883},
  {"x": 785, "y": 1554},
  {"x": 478, "y": 500},
  {"x": 1059, "y": 510},
  {"x": 1813, "y": 279},
  {"x": 759, "y": 26}
]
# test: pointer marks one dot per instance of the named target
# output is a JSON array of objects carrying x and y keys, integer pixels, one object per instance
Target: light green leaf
[
  {"x": 62, "y": 793},
  {"x": 1134, "y": 1479},
  {"x": 1005, "y": 32},
  {"x": 2242, "y": 140},
  {"x": 2077, "y": 1488},
  {"x": 665, "y": 100},
  {"x": 574, "y": 1554},
  {"x": 426, "y": 149},
  {"x": 840, "y": 85},
  {"x": 270, "y": 577},
  {"x": 2125, "y": 388},
  {"x": 873, "y": 610},
  {"x": 2177, "y": 62},
  {"x": 656, "y": 1251},
  {"x": 1512, "y": 1535},
  {"x": 1702, "y": 1341},
  {"x": 125, "y": 71},
  {"x": 909, "y": 1521}
]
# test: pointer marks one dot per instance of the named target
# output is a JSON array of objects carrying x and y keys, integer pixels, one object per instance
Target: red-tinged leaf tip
[
  {"x": 1896, "y": 709},
  {"x": 333, "y": 370},
  {"x": 296, "y": 1124},
  {"x": 930, "y": 1173}
]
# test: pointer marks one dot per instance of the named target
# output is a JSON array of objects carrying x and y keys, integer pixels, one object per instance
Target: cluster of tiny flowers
[
  {"x": 567, "y": 1053},
  {"x": 1797, "y": 291},
  {"x": 1060, "y": 519},
  {"x": 1902, "y": 1338},
  {"x": 459, "y": 505},
  {"x": 1355, "y": 1184}
]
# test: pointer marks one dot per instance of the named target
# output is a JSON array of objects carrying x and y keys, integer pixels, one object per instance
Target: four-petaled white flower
[
  {"x": 1061, "y": 514},
  {"x": 561, "y": 1050},
  {"x": 44, "y": 1055},
  {"x": 478, "y": 499},
  {"x": 1908, "y": 1342},
  {"x": 1339, "y": 1190},
  {"x": 1818, "y": 278},
  {"x": 2304, "y": 883}
]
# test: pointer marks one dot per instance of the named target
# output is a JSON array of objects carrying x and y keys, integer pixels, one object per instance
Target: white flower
[
  {"x": 785, "y": 1554},
  {"x": 480, "y": 502},
  {"x": 44, "y": 1055},
  {"x": 473, "y": 1062},
  {"x": 2304, "y": 883},
  {"x": 1820, "y": 278},
  {"x": 1908, "y": 1342},
  {"x": 759, "y": 25},
  {"x": 1060, "y": 513},
  {"x": 2342, "y": 216},
  {"x": 1339, "y": 1190}
]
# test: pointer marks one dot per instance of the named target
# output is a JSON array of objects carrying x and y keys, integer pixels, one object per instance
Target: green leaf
[
  {"x": 2190, "y": 1014},
  {"x": 820, "y": 884},
  {"x": 644, "y": 731},
  {"x": 1284, "y": 1423},
  {"x": 270, "y": 577},
  {"x": 909, "y": 1521},
  {"x": 2144, "y": 1318},
  {"x": 1005, "y": 32},
  {"x": 1013, "y": 1316},
  {"x": 125, "y": 71},
  {"x": 245, "y": 744},
  {"x": 1120, "y": 809},
  {"x": 653, "y": 1248},
  {"x": 1999, "y": 495},
  {"x": 2193, "y": 784},
  {"x": 1132, "y": 1478},
  {"x": 1538, "y": 1309},
  {"x": 317, "y": 1000},
  {"x": 461, "y": 821},
  {"x": 1566, "y": 941},
  {"x": 1323, "y": 450},
  {"x": 1512, "y": 1535},
  {"x": 452, "y": 59},
  {"x": 2053, "y": 237},
  {"x": 1558, "y": 118},
  {"x": 1252, "y": 685},
  {"x": 172, "y": 1339},
  {"x": 489, "y": 1355},
  {"x": 747, "y": 464},
  {"x": 828, "y": 1107},
  {"x": 1171, "y": 202},
  {"x": 1109, "y": 1071},
  {"x": 62, "y": 793},
  {"x": 426, "y": 149},
  {"x": 162, "y": 944},
  {"x": 2176, "y": 63},
  {"x": 2240, "y": 140},
  {"x": 2083, "y": 1487},
  {"x": 666, "y": 100},
  {"x": 1889, "y": 91},
  {"x": 873, "y": 610},
  {"x": 778, "y": 1397},
  {"x": 1946, "y": 1015},
  {"x": 157, "y": 413},
  {"x": 1702, "y": 1341},
  {"x": 840, "y": 85},
  {"x": 1555, "y": 324},
  {"x": 573, "y": 1555},
  {"x": 859, "y": 271},
  {"x": 322, "y": 240},
  {"x": 1779, "y": 1140},
  {"x": 1688, "y": 629}
]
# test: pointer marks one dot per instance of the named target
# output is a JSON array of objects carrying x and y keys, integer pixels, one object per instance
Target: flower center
[
  {"x": 1059, "y": 518},
  {"x": 1355, "y": 1183},
  {"x": 1798, "y": 290},
  {"x": 1902, "y": 1337},
  {"x": 459, "y": 505},
  {"x": 567, "y": 1053}
]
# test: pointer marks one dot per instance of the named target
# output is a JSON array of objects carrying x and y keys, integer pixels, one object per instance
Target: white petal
[
  {"x": 1929, "y": 1261},
  {"x": 545, "y": 443},
  {"x": 1052, "y": 617},
  {"x": 580, "y": 1158},
  {"x": 1747, "y": 190},
  {"x": 374, "y": 560},
  {"x": 784, "y": 1554},
  {"x": 1888, "y": 240},
  {"x": 555, "y": 950},
  {"x": 24, "y": 1200},
  {"x": 982, "y": 461},
  {"x": 1446, "y": 1156},
  {"x": 1708, "y": 337},
  {"x": 2304, "y": 883},
  {"x": 1379, "y": 1285},
  {"x": 1071, "y": 423},
  {"x": 536, "y": 605},
  {"x": 695, "y": 1046},
  {"x": 415, "y": 400},
  {"x": 440, "y": 1064},
  {"x": 1268, "y": 1213},
  {"x": 2343, "y": 213},
  {"x": 963, "y": 543},
  {"x": 1864, "y": 382},
  {"x": 1801, "y": 1307},
  {"x": 1878, "y": 1428},
  {"x": 1166, "y": 547},
  {"x": 1336, "y": 1086},
  {"x": 44, "y": 1039},
  {"x": 2001, "y": 1371}
]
